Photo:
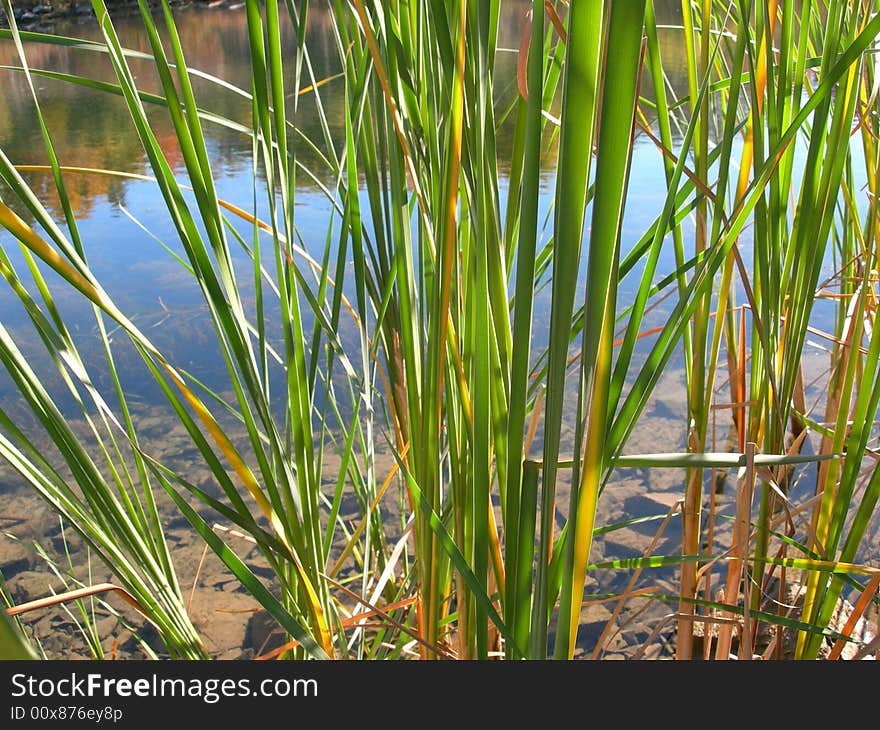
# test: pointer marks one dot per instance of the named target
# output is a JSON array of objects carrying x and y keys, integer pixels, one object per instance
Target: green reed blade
[
  {"x": 579, "y": 111},
  {"x": 619, "y": 80},
  {"x": 519, "y": 555}
]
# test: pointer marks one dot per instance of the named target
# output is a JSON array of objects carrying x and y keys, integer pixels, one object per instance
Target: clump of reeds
[{"x": 442, "y": 373}]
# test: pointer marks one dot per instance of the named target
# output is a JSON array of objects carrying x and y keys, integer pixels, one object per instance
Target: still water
[{"x": 123, "y": 220}]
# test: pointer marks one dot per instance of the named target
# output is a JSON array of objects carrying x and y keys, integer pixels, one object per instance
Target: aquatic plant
[{"x": 411, "y": 333}]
